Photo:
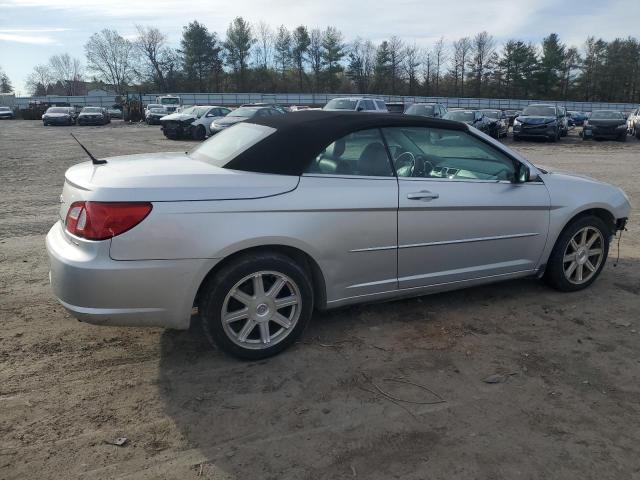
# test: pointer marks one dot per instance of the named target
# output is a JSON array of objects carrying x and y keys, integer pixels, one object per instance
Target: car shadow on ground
[{"x": 286, "y": 417}]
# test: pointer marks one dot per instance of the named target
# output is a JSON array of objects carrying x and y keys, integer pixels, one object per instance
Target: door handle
[{"x": 422, "y": 195}]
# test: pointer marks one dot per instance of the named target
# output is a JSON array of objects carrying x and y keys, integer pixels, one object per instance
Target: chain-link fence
[{"x": 312, "y": 99}]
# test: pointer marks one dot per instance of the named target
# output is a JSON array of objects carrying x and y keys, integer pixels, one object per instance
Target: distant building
[{"x": 98, "y": 92}]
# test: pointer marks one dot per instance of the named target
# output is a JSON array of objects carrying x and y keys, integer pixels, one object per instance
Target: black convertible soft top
[{"x": 301, "y": 136}]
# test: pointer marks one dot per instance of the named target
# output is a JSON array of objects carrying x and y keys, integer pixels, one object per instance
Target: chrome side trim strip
[
  {"x": 445, "y": 242},
  {"x": 373, "y": 249},
  {"x": 469, "y": 240}
]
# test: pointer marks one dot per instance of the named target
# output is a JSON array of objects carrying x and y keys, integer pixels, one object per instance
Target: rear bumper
[{"x": 96, "y": 289}]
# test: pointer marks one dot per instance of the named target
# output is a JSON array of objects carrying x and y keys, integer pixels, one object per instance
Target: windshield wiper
[{"x": 94, "y": 160}]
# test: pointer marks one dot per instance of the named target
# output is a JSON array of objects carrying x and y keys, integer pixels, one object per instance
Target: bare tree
[
  {"x": 264, "y": 45},
  {"x": 362, "y": 59},
  {"x": 110, "y": 56},
  {"x": 461, "y": 49},
  {"x": 482, "y": 51},
  {"x": 427, "y": 68},
  {"x": 316, "y": 56},
  {"x": 412, "y": 61},
  {"x": 151, "y": 45},
  {"x": 39, "y": 80},
  {"x": 439, "y": 59},
  {"x": 67, "y": 71},
  {"x": 396, "y": 59}
]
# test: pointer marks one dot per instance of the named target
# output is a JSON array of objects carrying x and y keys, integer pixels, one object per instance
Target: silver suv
[{"x": 356, "y": 104}]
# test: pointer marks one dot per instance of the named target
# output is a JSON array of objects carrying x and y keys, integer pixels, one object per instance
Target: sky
[{"x": 33, "y": 30}]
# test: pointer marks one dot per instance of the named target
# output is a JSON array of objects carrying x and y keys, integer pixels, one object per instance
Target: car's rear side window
[
  {"x": 228, "y": 144},
  {"x": 360, "y": 153}
]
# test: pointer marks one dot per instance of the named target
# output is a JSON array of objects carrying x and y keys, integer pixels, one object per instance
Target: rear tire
[
  {"x": 258, "y": 326},
  {"x": 560, "y": 272}
]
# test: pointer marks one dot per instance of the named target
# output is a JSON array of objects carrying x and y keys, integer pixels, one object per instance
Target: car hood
[
  {"x": 226, "y": 121},
  {"x": 169, "y": 177},
  {"x": 535, "y": 120},
  {"x": 90, "y": 114},
  {"x": 54, "y": 115},
  {"x": 607, "y": 123},
  {"x": 179, "y": 117}
]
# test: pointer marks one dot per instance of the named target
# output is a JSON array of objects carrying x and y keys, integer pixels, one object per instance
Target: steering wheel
[
  {"x": 423, "y": 166},
  {"x": 406, "y": 165}
]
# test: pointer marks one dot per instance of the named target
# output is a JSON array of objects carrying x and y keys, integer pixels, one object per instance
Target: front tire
[
  {"x": 257, "y": 305},
  {"x": 199, "y": 133},
  {"x": 579, "y": 254}
]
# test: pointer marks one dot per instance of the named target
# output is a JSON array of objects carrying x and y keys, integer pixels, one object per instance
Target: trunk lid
[{"x": 165, "y": 177}]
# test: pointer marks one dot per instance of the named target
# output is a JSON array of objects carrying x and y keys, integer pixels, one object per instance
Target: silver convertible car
[{"x": 278, "y": 216}]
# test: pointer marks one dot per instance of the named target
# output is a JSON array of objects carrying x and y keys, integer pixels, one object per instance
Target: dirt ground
[{"x": 567, "y": 406}]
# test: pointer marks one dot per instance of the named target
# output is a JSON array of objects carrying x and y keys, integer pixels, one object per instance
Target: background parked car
[
  {"x": 94, "y": 116},
  {"x": 7, "y": 113},
  {"x": 59, "y": 116},
  {"x": 114, "y": 112},
  {"x": 539, "y": 121},
  {"x": 606, "y": 124},
  {"x": 499, "y": 123},
  {"x": 633, "y": 123},
  {"x": 396, "y": 107},
  {"x": 280, "y": 108},
  {"x": 356, "y": 104},
  {"x": 473, "y": 118},
  {"x": 435, "y": 110},
  {"x": 564, "y": 121},
  {"x": 240, "y": 115},
  {"x": 154, "y": 115},
  {"x": 576, "y": 118},
  {"x": 512, "y": 115},
  {"x": 155, "y": 105},
  {"x": 192, "y": 122}
]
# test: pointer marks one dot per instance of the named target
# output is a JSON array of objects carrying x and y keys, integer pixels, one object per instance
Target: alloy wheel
[
  {"x": 261, "y": 310},
  {"x": 583, "y": 255}
]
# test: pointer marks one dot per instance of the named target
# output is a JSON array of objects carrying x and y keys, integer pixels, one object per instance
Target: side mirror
[
  {"x": 524, "y": 174},
  {"x": 359, "y": 109}
]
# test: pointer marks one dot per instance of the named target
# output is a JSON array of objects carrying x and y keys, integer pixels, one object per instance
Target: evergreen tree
[{"x": 237, "y": 48}]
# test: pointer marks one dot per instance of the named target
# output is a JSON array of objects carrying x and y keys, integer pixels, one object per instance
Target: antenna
[{"x": 94, "y": 160}]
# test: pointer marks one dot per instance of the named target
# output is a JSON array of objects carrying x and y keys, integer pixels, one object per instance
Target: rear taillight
[{"x": 102, "y": 220}]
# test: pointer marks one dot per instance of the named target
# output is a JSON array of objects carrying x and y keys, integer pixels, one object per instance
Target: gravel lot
[{"x": 568, "y": 407}]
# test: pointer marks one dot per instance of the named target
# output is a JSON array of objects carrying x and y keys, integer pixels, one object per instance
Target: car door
[
  {"x": 460, "y": 216},
  {"x": 349, "y": 199}
]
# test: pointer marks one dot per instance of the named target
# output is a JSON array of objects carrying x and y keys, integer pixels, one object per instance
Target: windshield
[
  {"x": 170, "y": 101},
  {"x": 58, "y": 110},
  {"x": 459, "y": 116},
  {"x": 246, "y": 112},
  {"x": 229, "y": 143},
  {"x": 540, "y": 111},
  {"x": 495, "y": 114},
  {"x": 91, "y": 110},
  {"x": 607, "y": 115},
  {"x": 426, "y": 110},
  {"x": 341, "y": 104},
  {"x": 4, "y": 109}
]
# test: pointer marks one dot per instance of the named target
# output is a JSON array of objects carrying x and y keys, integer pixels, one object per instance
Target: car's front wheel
[
  {"x": 257, "y": 305},
  {"x": 199, "y": 132},
  {"x": 579, "y": 254}
]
